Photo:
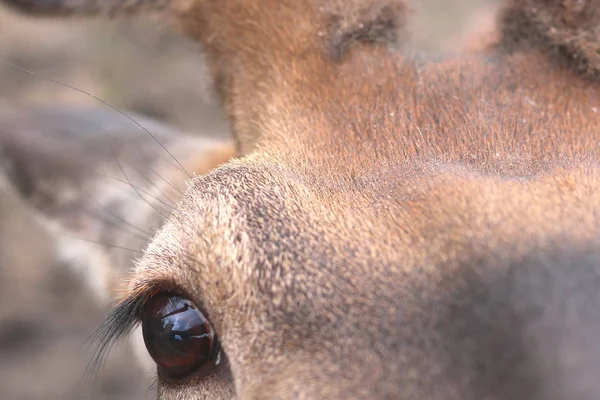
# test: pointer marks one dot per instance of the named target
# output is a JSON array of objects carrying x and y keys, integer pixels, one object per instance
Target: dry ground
[{"x": 46, "y": 315}]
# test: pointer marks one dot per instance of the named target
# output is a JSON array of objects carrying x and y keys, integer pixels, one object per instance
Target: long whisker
[
  {"x": 101, "y": 208},
  {"x": 137, "y": 188},
  {"x": 166, "y": 181},
  {"x": 141, "y": 233},
  {"x": 152, "y": 184},
  {"x": 115, "y": 225},
  {"x": 24, "y": 70},
  {"x": 97, "y": 242},
  {"x": 159, "y": 175}
]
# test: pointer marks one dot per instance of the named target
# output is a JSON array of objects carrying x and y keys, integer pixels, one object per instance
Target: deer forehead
[{"x": 297, "y": 252}]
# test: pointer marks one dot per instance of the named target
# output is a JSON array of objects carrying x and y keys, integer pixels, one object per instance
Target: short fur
[{"x": 397, "y": 227}]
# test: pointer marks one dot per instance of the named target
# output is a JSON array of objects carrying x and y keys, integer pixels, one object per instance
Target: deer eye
[{"x": 179, "y": 337}]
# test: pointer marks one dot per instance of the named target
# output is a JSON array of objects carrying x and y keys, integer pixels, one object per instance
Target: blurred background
[{"x": 46, "y": 314}]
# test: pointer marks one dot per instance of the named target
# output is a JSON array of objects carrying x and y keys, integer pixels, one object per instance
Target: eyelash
[
  {"x": 124, "y": 317},
  {"x": 121, "y": 321}
]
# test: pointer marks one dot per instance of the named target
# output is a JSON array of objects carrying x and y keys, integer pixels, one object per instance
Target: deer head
[{"x": 393, "y": 226}]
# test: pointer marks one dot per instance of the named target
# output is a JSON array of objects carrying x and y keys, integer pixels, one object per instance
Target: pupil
[{"x": 178, "y": 337}]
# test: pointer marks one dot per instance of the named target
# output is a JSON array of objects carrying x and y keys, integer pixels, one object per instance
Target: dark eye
[{"x": 178, "y": 337}]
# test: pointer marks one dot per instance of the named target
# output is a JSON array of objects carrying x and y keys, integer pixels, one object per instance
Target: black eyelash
[
  {"x": 123, "y": 318},
  {"x": 121, "y": 321}
]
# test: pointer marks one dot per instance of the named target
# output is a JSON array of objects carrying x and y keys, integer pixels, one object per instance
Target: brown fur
[{"x": 398, "y": 227}]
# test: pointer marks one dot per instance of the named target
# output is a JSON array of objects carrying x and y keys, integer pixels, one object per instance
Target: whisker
[
  {"x": 101, "y": 208},
  {"x": 115, "y": 225},
  {"x": 24, "y": 70},
  {"x": 171, "y": 206},
  {"x": 135, "y": 188},
  {"x": 157, "y": 174},
  {"x": 152, "y": 184},
  {"x": 108, "y": 334},
  {"x": 97, "y": 242},
  {"x": 166, "y": 181},
  {"x": 142, "y": 234}
]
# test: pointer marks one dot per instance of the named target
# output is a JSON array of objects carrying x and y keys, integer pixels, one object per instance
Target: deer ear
[
  {"x": 564, "y": 28},
  {"x": 87, "y": 7},
  {"x": 99, "y": 181}
]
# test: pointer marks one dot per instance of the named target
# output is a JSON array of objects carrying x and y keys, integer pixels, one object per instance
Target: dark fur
[
  {"x": 88, "y": 7},
  {"x": 398, "y": 227},
  {"x": 567, "y": 29}
]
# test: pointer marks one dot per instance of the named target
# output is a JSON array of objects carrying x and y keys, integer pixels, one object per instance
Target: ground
[{"x": 46, "y": 316}]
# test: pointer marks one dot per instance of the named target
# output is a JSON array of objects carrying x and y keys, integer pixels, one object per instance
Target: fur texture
[
  {"x": 396, "y": 226},
  {"x": 566, "y": 28}
]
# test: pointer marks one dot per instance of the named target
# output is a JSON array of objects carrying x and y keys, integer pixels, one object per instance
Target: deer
[{"x": 384, "y": 225}]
